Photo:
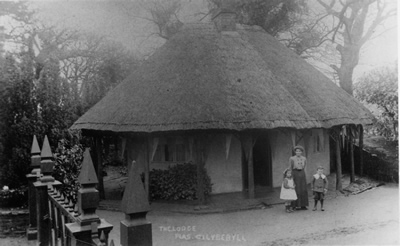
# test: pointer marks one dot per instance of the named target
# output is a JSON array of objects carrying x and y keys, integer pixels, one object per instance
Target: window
[
  {"x": 317, "y": 144},
  {"x": 180, "y": 152},
  {"x": 318, "y": 140},
  {"x": 172, "y": 149}
]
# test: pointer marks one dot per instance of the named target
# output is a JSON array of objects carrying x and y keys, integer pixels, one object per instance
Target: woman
[{"x": 297, "y": 164}]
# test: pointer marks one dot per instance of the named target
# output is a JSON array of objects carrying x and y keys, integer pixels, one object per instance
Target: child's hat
[{"x": 285, "y": 171}]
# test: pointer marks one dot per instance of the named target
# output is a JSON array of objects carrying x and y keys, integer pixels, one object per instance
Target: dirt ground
[{"x": 368, "y": 218}]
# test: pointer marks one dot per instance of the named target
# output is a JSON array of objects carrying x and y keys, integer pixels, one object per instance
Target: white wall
[
  {"x": 281, "y": 148},
  {"x": 225, "y": 173}
]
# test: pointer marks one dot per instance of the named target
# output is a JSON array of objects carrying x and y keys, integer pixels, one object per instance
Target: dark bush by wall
[
  {"x": 177, "y": 182},
  {"x": 14, "y": 197}
]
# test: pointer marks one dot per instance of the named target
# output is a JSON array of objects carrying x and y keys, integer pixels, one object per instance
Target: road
[{"x": 369, "y": 218}]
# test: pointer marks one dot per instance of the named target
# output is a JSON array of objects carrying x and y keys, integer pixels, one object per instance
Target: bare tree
[
  {"x": 355, "y": 22},
  {"x": 163, "y": 16}
]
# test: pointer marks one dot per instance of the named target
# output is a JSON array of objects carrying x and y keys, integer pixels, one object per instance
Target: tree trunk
[{"x": 352, "y": 43}]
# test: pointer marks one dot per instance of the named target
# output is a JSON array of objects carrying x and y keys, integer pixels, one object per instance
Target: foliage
[
  {"x": 177, "y": 182},
  {"x": 123, "y": 170},
  {"x": 18, "y": 9},
  {"x": 50, "y": 79},
  {"x": 379, "y": 90},
  {"x": 29, "y": 107},
  {"x": 14, "y": 197},
  {"x": 17, "y": 116},
  {"x": 274, "y": 16},
  {"x": 69, "y": 158}
]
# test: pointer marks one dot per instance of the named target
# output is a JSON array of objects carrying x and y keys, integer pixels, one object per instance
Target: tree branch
[{"x": 378, "y": 20}]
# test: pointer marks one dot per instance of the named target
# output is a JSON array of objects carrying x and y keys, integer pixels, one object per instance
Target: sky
[{"x": 122, "y": 21}]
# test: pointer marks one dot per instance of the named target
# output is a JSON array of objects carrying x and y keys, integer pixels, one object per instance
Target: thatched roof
[{"x": 205, "y": 79}]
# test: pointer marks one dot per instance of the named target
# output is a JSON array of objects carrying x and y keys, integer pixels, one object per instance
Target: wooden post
[
  {"x": 99, "y": 160},
  {"x": 200, "y": 166},
  {"x": 247, "y": 142},
  {"x": 338, "y": 162},
  {"x": 147, "y": 166},
  {"x": 360, "y": 147},
  {"x": 88, "y": 226},
  {"x": 33, "y": 177},
  {"x": 135, "y": 229},
  {"x": 43, "y": 186},
  {"x": 251, "y": 174},
  {"x": 352, "y": 172},
  {"x": 201, "y": 152}
]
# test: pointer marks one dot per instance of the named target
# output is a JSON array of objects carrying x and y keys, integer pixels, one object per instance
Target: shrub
[
  {"x": 67, "y": 167},
  {"x": 14, "y": 197},
  {"x": 177, "y": 182},
  {"x": 13, "y": 171}
]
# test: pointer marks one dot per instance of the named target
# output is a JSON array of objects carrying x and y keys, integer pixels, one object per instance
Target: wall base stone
[{"x": 13, "y": 223}]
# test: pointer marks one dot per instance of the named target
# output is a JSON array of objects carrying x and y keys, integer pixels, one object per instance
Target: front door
[{"x": 262, "y": 162}]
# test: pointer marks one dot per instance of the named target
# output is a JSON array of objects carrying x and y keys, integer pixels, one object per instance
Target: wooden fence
[{"x": 54, "y": 220}]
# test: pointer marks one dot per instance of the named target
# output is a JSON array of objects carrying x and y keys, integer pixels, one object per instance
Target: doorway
[{"x": 262, "y": 162}]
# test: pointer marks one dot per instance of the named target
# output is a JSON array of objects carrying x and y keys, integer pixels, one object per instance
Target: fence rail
[
  {"x": 55, "y": 220},
  {"x": 61, "y": 213}
]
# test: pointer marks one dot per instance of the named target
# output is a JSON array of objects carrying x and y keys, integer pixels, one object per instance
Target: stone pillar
[
  {"x": 135, "y": 229},
  {"x": 33, "y": 177},
  {"x": 43, "y": 186},
  {"x": 88, "y": 226}
]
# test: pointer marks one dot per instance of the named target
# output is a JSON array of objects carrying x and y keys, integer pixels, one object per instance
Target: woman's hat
[{"x": 298, "y": 147}]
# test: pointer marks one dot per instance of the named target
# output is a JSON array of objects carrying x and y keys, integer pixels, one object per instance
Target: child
[
  {"x": 287, "y": 191},
  {"x": 319, "y": 186}
]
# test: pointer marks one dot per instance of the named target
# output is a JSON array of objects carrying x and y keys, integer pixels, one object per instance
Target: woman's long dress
[{"x": 297, "y": 165}]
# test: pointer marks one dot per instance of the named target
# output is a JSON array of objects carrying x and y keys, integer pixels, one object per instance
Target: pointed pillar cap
[
  {"x": 135, "y": 197},
  {"x": 46, "y": 150},
  {"x": 87, "y": 174},
  {"x": 35, "y": 146}
]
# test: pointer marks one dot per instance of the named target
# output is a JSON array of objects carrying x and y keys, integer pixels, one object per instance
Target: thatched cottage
[{"x": 230, "y": 98}]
